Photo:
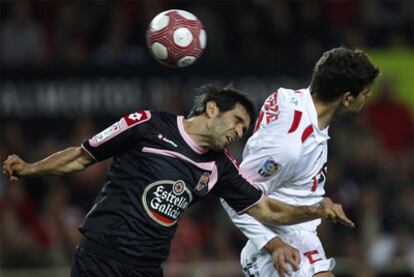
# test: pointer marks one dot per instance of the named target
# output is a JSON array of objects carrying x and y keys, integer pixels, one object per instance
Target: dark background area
[{"x": 71, "y": 68}]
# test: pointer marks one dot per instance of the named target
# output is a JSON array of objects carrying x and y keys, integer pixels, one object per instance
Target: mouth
[{"x": 229, "y": 139}]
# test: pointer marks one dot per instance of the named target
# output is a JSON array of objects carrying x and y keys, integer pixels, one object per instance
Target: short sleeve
[
  {"x": 234, "y": 189},
  {"x": 270, "y": 164},
  {"x": 118, "y": 137},
  {"x": 272, "y": 151}
]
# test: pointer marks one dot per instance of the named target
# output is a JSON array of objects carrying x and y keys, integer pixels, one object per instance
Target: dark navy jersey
[{"x": 156, "y": 173}]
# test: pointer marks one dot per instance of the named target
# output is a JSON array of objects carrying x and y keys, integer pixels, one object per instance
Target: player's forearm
[
  {"x": 287, "y": 215},
  {"x": 273, "y": 212},
  {"x": 66, "y": 161}
]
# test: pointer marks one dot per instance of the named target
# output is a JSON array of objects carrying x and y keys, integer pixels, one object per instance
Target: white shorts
[{"x": 313, "y": 260}]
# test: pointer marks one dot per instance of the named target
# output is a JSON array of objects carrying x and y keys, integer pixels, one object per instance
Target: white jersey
[{"x": 286, "y": 158}]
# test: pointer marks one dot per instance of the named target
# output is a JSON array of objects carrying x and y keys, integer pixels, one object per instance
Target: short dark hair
[
  {"x": 341, "y": 70},
  {"x": 225, "y": 98}
]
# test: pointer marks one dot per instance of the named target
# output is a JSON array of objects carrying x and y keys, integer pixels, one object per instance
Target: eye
[{"x": 238, "y": 119}]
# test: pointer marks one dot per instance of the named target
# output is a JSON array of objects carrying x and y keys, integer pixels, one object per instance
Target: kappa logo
[
  {"x": 165, "y": 200},
  {"x": 268, "y": 168},
  {"x": 164, "y": 139}
]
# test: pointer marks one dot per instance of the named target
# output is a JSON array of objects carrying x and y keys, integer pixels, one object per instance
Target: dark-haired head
[
  {"x": 342, "y": 70},
  {"x": 225, "y": 98}
]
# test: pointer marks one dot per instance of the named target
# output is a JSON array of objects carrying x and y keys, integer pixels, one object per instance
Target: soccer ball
[{"x": 176, "y": 38}]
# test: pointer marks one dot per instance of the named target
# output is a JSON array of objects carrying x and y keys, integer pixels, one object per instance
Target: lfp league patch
[
  {"x": 268, "y": 168},
  {"x": 108, "y": 132}
]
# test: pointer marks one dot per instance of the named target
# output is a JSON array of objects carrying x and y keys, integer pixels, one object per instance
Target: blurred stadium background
[{"x": 71, "y": 68}]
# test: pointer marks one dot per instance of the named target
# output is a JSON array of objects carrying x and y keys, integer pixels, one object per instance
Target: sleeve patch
[
  {"x": 108, "y": 132},
  {"x": 268, "y": 168},
  {"x": 119, "y": 127},
  {"x": 137, "y": 117},
  {"x": 105, "y": 135}
]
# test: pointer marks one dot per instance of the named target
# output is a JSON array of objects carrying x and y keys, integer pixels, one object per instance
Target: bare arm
[
  {"x": 66, "y": 161},
  {"x": 272, "y": 212}
]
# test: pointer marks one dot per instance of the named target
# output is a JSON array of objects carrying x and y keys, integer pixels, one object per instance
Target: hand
[
  {"x": 284, "y": 257},
  {"x": 335, "y": 213},
  {"x": 14, "y": 168}
]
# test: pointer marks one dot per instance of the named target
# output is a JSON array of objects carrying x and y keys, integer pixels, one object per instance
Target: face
[
  {"x": 355, "y": 104},
  {"x": 228, "y": 127}
]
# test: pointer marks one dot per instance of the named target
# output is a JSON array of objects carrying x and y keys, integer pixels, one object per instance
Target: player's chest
[
  {"x": 170, "y": 180},
  {"x": 311, "y": 168},
  {"x": 167, "y": 163}
]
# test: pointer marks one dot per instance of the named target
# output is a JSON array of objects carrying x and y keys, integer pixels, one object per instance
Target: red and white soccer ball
[{"x": 176, "y": 38}]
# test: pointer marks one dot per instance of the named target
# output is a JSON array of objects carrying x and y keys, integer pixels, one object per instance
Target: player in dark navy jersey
[{"x": 162, "y": 164}]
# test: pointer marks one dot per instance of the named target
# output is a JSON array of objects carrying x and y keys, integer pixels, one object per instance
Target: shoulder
[
  {"x": 278, "y": 110},
  {"x": 150, "y": 117},
  {"x": 134, "y": 118},
  {"x": 284, "y": 147},
  {"x": 280, "y": 125},
  {"x": 225, "y": 160}
]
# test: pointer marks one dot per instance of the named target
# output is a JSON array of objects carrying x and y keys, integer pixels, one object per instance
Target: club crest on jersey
[
  {"x": 201, "y": 188},
  {"x": 165, "y": 200},
  {"x": 268, "y": 168}
]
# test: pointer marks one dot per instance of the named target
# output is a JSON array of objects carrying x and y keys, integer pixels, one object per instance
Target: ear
[
  {"x": 347, "y": 99},
  {"x": 212, "y": 109}
]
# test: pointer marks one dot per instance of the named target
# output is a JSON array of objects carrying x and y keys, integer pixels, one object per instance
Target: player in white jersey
[{"x": 286, "y": 157}]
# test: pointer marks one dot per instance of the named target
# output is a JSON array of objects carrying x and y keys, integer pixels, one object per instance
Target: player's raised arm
[
  {"x": 272, "y": 212},
  {"x": 66, "y": 161}
]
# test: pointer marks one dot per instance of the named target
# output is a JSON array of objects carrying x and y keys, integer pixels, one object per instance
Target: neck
[
  {"x": 196, "y": 129},
  {"x": 326, "y": 112}
]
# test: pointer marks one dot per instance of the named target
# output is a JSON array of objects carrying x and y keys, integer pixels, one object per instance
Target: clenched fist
[{"x": 14, "y": 168}]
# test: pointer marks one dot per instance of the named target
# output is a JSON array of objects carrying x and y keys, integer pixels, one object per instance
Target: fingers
[
  {"x": 342, "y": 218},
  {"x": 335, "y": 213},
  {"x": 296, "y": 259},
  {"x": 8, "y": 167},
  {"x": 282, "y": 267},
  {"x": 287, "y": 262}
]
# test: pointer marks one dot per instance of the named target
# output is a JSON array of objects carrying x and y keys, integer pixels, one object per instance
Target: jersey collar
[
  {"x": 187, "y": 138},
  {"x": 320, "y": 135}
]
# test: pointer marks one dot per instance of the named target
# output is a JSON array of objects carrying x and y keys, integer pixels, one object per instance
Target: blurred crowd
[
  {"x": 370, "y": 169},
  {"x": 370, "y": 172},
  {"x": 47, "y": 33}
]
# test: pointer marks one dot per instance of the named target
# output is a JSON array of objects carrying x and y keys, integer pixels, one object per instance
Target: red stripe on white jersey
[
  {"x": 307, "y": 132},
  {"x": 259, "y": 121},
  {"x": 296, "y": 120}
]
